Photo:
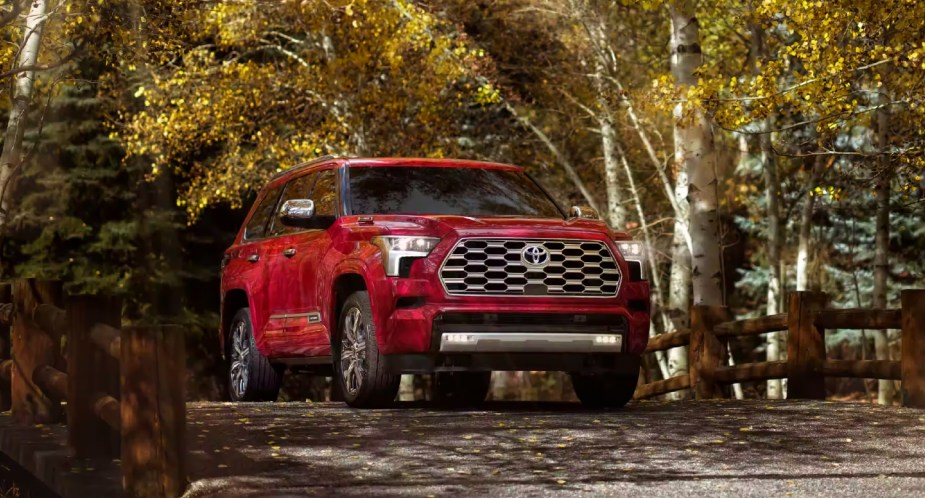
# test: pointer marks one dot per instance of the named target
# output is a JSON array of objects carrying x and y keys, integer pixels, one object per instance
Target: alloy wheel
[
  {"x": 353, "y": 350},
  {"x": 240, "y": 351}
]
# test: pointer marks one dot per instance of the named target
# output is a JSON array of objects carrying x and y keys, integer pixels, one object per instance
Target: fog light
[
  {"x": 458, "y": 338},
  {"x": 606, "y": 339}
]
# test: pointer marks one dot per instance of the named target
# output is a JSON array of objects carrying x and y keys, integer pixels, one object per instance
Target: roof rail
[{"x": 304, "y": 165}]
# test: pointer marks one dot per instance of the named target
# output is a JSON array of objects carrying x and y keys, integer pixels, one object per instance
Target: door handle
[
  {"x": 253, "y": 258},
  {"x": 289, "y": 252}
]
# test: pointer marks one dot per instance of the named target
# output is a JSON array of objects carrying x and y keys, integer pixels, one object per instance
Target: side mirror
[
  {"x": 297, "y": 213},
  {"x": 583, "y": 212}
]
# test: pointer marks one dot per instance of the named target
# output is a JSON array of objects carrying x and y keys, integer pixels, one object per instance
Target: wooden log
[
  {"x": 91, "y": 370},
  {"x": 663, "y": 386},
  {"x": 33, "y": 348},
  {"x": 108, "y": 339},
  {"x": 752, "y": 326},
  {"x": 862, "y": 369},
  {"x": 153, "y": 411},
  {"x": 706, "y": 353},
  {"x": 50, "y": 319},
  {"x": 751, "y": 372},
  {"x": 859, "y": 319},
  {"x": 108, "y": 409},
  {"x": 670, "y": 340},
  {"x": 51, "y": 381},
  {"x": 913, "y": 348},
  {"x": 806, "y": 346},
  {"x": 6, "y": 315}
]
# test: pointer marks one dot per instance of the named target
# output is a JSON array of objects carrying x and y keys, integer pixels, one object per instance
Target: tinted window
[
  {"x": 298, "y": 188},
  {"x": 257, "y": 225},
  {"x": 448, "y": 191},
  {"x": 325, "y": 195}
]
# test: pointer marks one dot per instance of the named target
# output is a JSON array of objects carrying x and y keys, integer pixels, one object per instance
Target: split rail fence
[
  {"x": 806, "y": 322},
  {"x": 119, "y": 390}
]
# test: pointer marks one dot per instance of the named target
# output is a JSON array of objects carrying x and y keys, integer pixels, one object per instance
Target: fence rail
[
  {"x": 806, "y": 368},
  {"x": 122, "y": 387}
]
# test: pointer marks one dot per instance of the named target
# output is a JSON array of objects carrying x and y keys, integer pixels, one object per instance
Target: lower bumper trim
[{"x": 520, "y": 342}]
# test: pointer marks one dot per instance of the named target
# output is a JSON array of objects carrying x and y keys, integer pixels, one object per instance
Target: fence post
[
  {"x": 706, "y": 352},
  {"x": 33, "y": 348},
  {"x": 912, "y": 361},
  {"x": 153, "y": 411},
  {"x": 90, "y": 371},
  {"x": 805, "y": 346},
  {"x": 6, "y": 296}
]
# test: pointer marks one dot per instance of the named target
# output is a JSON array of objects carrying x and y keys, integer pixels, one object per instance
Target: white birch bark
[
  {"x": 775, "y": 340},
  {"x": 22, "y": 102},
  {"x": 695, "y": 155},
  {"x": 886, "y": 389},
  {"x": 806, "y": 225}
]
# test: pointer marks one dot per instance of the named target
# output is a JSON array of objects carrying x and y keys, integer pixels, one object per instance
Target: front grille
[{"x": 576, "y": 268}]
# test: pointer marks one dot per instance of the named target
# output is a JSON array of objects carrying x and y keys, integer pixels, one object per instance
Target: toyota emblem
[{"x": 536, "y": 256}]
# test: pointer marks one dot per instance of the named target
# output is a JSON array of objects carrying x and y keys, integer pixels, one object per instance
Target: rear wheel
[
  {"x": 359, "y": 366},
  {"x": 461, "y": 388},
  {"x": 603, "y": 390},
  {"x": 251, "y": 377}
]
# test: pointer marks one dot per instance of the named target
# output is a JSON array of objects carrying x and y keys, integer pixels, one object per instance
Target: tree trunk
[
  {"x": 679, "y": 281},
  {"x": 775, "y": 340},
  {"x": 695, "y": 155},
  {"x": 616, "y": 212},
  {"x": 806, "y": 225},
  {"x": 22, "y": 102},
  {"x": 886, "y": 389},
  {"x": 679, "y": 297}
]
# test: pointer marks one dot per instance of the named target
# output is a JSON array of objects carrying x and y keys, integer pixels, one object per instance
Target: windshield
[{"x": 448, "y": 191}]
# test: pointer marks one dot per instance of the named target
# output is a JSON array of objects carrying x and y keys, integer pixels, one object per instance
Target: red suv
[{"x": 366, "y": 269}]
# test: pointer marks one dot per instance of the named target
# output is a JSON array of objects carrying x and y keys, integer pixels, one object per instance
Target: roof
[{"x": 384, "y": 162}]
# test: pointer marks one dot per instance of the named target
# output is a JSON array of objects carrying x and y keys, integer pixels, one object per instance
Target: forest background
[{"x": 758, "y": 147}]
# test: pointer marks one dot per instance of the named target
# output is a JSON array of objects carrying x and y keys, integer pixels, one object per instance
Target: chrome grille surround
[{"x": 496, "y": 267}]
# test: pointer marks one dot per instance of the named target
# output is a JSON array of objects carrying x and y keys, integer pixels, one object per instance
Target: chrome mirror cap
[
  {"x": 297, "y": 212},
  {"x": 583, "y": 212}
]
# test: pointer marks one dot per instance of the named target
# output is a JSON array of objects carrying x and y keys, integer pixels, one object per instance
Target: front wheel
[
  {"x": 251, "y": 377},
  {"x": 359, "y": 366},
  {"x": 603, "y": 390}
]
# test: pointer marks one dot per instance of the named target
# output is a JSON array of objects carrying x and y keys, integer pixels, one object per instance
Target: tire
[
  {"x": 358, "y": 365},
  {"x": 461, "y": 388},
  {"x": 251, "y": 376},
  {"x": 603, "y": 390}
]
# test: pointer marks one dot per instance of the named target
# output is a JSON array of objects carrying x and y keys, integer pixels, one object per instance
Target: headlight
[
  {"x": 634, "y": 252},
  {"x": 394, "y": 248}
]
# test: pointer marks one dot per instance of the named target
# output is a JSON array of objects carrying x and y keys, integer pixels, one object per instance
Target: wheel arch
[
  {"x": 234, "y": 300},
  {"x": 344, "y": 285}
]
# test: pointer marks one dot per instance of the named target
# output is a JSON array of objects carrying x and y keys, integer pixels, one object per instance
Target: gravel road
[{"x": 692, "y": 448}]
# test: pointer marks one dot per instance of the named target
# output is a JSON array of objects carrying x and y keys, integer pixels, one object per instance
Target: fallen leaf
[{"x": 561, "y": 481}]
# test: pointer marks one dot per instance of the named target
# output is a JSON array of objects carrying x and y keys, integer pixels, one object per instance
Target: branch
[{"x": 39, "y": 67}]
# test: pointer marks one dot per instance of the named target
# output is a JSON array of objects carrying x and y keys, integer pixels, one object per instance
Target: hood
[{"x": 463, "y": 226}]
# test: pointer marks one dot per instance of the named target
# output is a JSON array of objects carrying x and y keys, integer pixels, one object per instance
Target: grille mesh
[{"x": 577, "y": 268}]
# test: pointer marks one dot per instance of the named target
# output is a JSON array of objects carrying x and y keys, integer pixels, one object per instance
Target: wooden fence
[
  {"x": 122, "y": 388},
  {"x": 806, "y": 368}
]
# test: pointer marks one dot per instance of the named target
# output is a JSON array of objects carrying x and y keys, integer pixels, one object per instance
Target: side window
[
  {"x": 257, "y": 224},
  {"x": 298, "y": 188},
  {"x": 325, "y": 195}
]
